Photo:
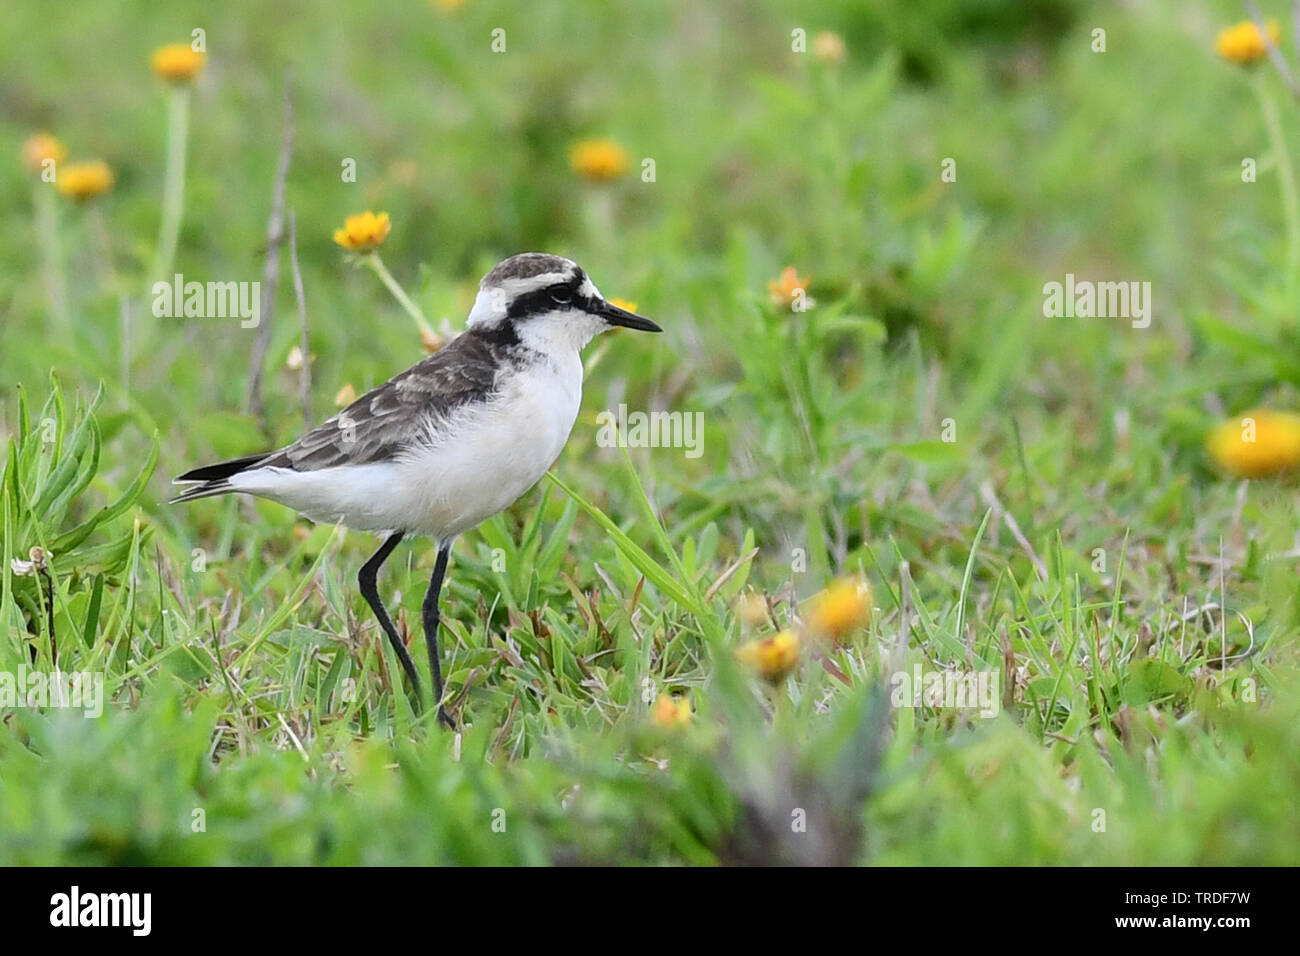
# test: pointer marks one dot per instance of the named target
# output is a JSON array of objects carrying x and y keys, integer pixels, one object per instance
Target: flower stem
[
  {"x": 372, "y": 261},
  {"x": 1286, "y": 171},
  {"x": 600, "y": 215},
  {"x": 124, "y": 342},
  {"x": 51, "y": 264},
  {"x": 108, "y": 272},
  {"x": 178, "y": 121}
]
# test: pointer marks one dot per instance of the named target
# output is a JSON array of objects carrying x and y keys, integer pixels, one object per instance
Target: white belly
[{"x": 480, "y": 462}]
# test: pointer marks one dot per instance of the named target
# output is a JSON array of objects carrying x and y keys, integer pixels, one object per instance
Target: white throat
[{"x": 559, "y": 333}]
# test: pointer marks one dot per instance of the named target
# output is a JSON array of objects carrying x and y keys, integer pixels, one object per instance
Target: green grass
[{"x": 1138, "y": 608}]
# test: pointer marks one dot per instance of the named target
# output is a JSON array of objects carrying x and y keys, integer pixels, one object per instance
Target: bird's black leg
[
  {"x": 432, "y": 618},
  {"x": 366, "y": 579}
]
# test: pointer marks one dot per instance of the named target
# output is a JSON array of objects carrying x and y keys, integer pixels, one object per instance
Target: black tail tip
[{"x": 219, "y": 471}]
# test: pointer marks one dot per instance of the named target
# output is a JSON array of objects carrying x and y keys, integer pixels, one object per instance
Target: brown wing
[{"x": 388, "y": 418}]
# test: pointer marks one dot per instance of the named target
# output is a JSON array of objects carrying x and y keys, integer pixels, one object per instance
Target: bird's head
[{"x": 548, "y": 303}]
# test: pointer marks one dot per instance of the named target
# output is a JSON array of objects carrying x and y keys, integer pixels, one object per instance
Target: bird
[{"x": 457, "y": 437}]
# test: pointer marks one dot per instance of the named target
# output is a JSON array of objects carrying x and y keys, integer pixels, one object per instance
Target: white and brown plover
[{"x": 451, "y": 441}]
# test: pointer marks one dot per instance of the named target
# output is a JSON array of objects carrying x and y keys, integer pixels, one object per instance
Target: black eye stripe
[{"x": 543, "y": 300}]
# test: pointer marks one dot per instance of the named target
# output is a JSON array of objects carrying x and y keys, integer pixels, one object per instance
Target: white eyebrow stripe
[
  {"x": 589, "y": 290},
  {"x": 517, "y": 287}
]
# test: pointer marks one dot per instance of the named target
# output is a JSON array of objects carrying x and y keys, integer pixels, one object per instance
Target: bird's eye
[{"x": 561, "y": 296}]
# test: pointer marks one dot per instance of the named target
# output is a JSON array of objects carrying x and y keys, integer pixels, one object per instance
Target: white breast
[
  {"x": 496, "y": 454},
  {"x": 473, "y": 465}
]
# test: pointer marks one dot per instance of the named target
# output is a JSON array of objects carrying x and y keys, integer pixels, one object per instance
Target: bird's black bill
[{"x": 629, "y": 320}]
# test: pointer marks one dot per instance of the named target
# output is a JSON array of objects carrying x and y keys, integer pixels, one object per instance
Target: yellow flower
[
  {"x": 83, "y": 181},
  {"x": 841, "y": 608},
  {"x": 364, "y": 231},
  {"x": 828, "y": 46},
  {"x": 623, "y": 304},
  {"x": 671, "y": 712},
  {"x": 39, "y": 148},
  {"x": 346, "y": 396},
  {"x": 773, "y": 657},
  {"x": 1259, "y": 443},
  {"x": 598, "y": 160},
  {"x": 177, "y": 62},
  {"x": 1242, "y": 42},
  {"x": 448, "y": 6},
  {"x": 789, "y": 288}
]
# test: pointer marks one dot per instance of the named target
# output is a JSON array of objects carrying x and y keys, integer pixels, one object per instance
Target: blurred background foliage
[{"x": 247, "y": 681}]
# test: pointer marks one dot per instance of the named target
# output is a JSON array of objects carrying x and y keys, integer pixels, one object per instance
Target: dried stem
[
  {"x": 271, "y": 273},
  {"x": 304, "y": 373}
]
